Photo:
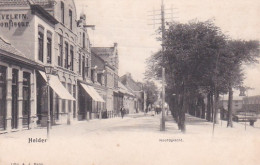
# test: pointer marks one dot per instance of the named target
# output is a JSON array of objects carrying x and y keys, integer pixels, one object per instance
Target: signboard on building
[{"x": 13, "y": 20}]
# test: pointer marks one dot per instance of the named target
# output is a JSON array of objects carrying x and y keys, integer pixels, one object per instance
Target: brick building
[
  {"x": 110, "y": 56},
  {"x": 137, "y": 89}
]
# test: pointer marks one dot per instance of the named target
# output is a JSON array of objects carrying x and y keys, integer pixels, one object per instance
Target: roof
[
  {"x": 124, "y": 90},
  {"x": 9, "y": 52},
  {"x": 7, "y": 47},
  {"x": 130, "y": 83},
  {"x": 24, "y": 2},
  {"x": 103, "y": 50},
  {"x": 103, "y": 60},
  {"x": 14, "y": 3}
]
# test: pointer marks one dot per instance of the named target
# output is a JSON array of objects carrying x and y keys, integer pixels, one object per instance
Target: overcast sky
[{"x": 126, "y": 22}]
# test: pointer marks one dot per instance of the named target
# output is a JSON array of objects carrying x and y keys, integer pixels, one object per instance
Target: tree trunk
[
  {"x": 216, "y": 98},
  {"x": 211, "y": 107},
  {"x": 203, "y": 109},
  {"x": 208, "y": 107},
  {"x": 183, "y": 110},
  {"x": 230, "y": 100}
]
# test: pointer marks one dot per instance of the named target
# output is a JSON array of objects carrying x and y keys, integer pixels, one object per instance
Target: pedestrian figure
[{"x": 122, "y": 112}]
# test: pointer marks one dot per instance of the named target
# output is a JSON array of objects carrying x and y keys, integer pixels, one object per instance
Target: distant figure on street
[{"x": 122, "y": 110}]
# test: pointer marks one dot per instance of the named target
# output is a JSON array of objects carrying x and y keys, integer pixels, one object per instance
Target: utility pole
[
  {"x": 162, "y": 128},
  {"x": 162, "y": 23}
]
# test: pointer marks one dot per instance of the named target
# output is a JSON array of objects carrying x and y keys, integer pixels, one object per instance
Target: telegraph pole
[
  {"x": 162, "y": 23},
  {"x": 162, "y": 128}
]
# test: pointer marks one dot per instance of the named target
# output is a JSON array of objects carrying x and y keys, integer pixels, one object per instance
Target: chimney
[{"x": 115, "y": 44}]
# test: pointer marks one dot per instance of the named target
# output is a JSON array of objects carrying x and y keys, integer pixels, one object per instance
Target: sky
[{"x": 126, "y": 22}]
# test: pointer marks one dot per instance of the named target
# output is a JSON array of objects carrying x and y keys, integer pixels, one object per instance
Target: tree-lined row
[{"x": 200, "y": 63}]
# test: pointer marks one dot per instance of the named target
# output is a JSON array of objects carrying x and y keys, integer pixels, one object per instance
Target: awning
[
  {"x": 92, "y": 92},
  {"x": 57, "y": 86}
]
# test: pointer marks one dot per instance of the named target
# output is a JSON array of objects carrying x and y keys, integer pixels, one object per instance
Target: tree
[
  {"x": 239, "y": 53},
  {"x": 199, "y": 61},
  {"x": 151, "y": 91}
]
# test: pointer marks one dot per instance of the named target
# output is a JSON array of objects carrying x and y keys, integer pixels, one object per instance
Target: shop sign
[{"x": 13, "y": 20}]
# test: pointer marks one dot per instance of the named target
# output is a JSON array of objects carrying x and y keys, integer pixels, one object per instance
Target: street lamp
[{"x": 48, "y": 71}]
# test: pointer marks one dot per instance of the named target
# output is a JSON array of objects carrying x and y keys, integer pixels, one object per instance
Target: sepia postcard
[{"x": 129, "y": 82}]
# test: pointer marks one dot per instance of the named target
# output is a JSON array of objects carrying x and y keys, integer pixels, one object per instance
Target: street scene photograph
[{"x": 129, "y": 82}]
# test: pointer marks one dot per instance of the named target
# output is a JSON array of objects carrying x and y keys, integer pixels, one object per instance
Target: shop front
[
  {"x": 91, "y": 104},
  {"x": 58, "y": 93}
]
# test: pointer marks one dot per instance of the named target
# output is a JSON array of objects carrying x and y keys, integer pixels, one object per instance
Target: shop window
[
  {"x": 2, "y": 97},
  {"x": 62, "y": 12},
  {"x": 26, "y": 98},
  {"x": 49, "y": 48},
  {"x": 69, "y": 101},
  {"x": 63, "y": 109},
  {"x": 74, "y": 102}
]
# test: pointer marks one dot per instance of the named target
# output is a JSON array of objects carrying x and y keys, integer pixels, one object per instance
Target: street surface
[{"x": 135, "y": 139}]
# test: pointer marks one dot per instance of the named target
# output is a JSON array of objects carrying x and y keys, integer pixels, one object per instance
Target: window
[
  {"x": 62, "y": 12},
  {"x": 92, "y": 75},
  {"x": 84, "y": 44},
  {"x": 60, "y": 54},
  {"x": 66, "y": 59},
  {"x": 115, "y": 81},
  {"x": 63, "y": 109},
  {"x": 79, "y": 64},
  {"x": 83, "y": 67},
  {"x": 99, "y": 78},
  {"x": 74, "y": 102},
  {"x": 26, "y": 98},
  {"x": 71, "y": 58},
  {"x": 40, "y": 44},
  {"x": 69, "y": 101},
  {"x": 87, "y": 68},
  {"x": 70, "y": 16},
  {"x": 49, "y": 47}
]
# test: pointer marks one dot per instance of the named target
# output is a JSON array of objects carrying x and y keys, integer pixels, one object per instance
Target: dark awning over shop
[{"x": 57, "y": 87}]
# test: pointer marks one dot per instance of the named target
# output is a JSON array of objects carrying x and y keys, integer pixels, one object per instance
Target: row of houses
[{"x": 84, "y": 82}]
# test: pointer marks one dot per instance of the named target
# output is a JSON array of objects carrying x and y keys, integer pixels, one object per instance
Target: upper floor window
[
  {"x": 87, "y": 67},
  {"x": 62, "y": 12},
  {"x": 40, "y": 43},
  {"x": 60, "y": 53},
  {"x": 99, "y": 78},
  {"x": 70, "y": 17},
  {"x": 71, "y": 58},
  {"x": 83, "y": 67},
  {"x": 49, "y": 47},
  {"x": 115, "y": 81},
  {"x": 66, "y": 59},
  {"x": 84, "y": 42},
  {"x": 79, "y": 63}
]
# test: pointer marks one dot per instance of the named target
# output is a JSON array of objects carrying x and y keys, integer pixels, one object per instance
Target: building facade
[
  {"x": 83, "y": 85},
  {"x": 17, "y": 89},
  {"x": 110, "y": 56},
  {"x": 137, "y": 89}
]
